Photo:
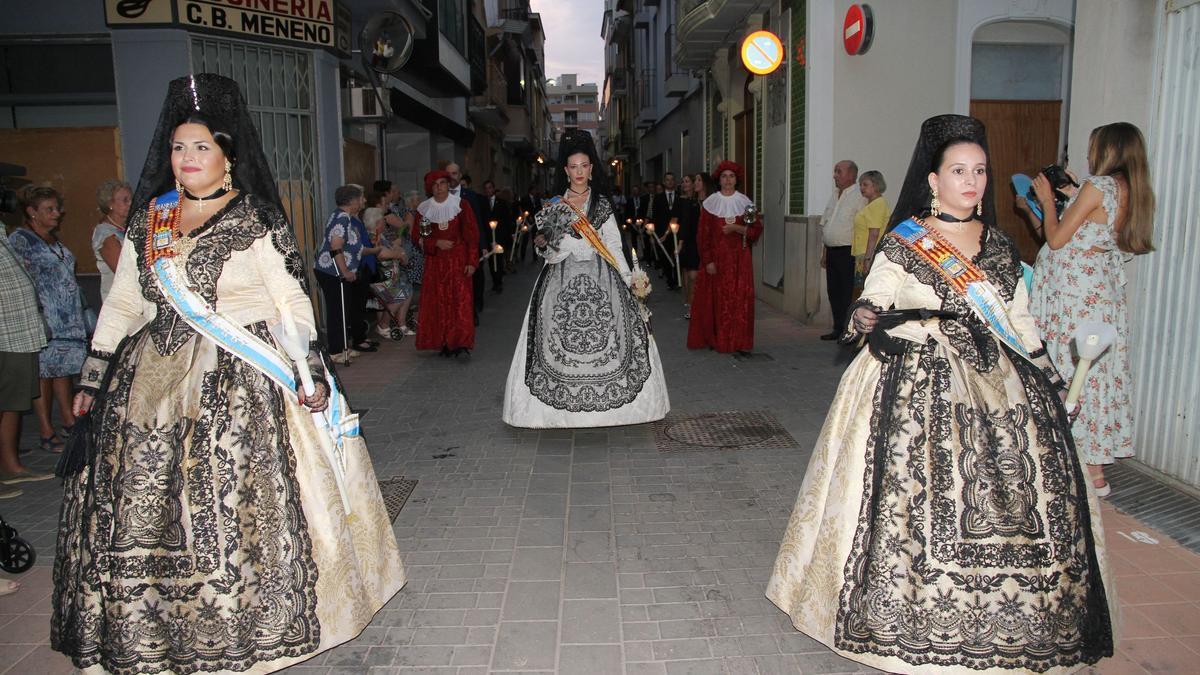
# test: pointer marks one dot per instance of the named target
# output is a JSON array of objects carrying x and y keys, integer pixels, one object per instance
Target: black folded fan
[{"x": 883, "y": 345}]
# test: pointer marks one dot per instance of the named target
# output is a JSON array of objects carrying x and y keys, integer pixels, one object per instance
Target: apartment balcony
[
  {"x": 618, "y": 26},
  {"x": 514, "y": 20},
  {"x": 477, "y": 55},
  {"x": 643, "y": 18},
  {"x": 620, "y": 82},
  {"x": 644, "y": 103},
  {"x": 702, "y": 27},
  {"x": 677, "y": 85}
]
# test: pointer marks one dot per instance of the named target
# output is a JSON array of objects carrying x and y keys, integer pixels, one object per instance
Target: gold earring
[
  {"x": 935, "y": 206},
  {"x": 179, "y": 188},
  {"x": 227, "y": 184},
  {"x": 979, "y": 209}
]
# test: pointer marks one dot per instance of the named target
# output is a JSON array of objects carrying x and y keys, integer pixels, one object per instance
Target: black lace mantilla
[
  {"x": 968, "y": 334},
  {"x": 235, "y": 227}
]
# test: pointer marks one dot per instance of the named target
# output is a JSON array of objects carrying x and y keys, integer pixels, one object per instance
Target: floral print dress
[
  {"x": 1085, "y": 281},
  {"x": 52, "y": 268}
]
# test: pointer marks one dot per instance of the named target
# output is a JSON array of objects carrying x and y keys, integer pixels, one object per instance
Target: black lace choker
[
  {"x": 947, "y": 218},
  {"x": 221, "y": 192}
]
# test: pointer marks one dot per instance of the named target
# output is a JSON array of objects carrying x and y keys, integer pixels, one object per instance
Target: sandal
[
  {"x": 65, "y": 432},
  {"x": 52, "y": 444},
  {"x": 1102, "y": 490}
]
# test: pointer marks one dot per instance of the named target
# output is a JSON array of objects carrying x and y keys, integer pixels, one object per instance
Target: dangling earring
[
  {"x": 227, "y": 184},
  {"x": 979, "y": 209},
  {"x": 935, "y": 206},
  {"x": 179, "y": 188}
]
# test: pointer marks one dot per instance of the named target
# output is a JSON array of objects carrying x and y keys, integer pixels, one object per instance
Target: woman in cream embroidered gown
[
  {"x": 585, "y": 357},
  {"x": 208, "y": 533},
  {"x": 945, "y": 524}
]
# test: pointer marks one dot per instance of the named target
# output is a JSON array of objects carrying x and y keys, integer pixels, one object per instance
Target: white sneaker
[
  {"x": 342, "y": 359},
  {"x": 407, "y": 331}
]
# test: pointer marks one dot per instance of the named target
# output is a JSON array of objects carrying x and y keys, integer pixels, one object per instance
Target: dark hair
[
  {"x": 706, "y": 183},
  {"x": 219, "y": 133},
  {"x": 489, "y": 182},
  {"x": 374, "y": 196},
  {"x": 939, "y": 155},
  {"x": 381, "y": 186},
  {"x": 669, "y": 173},
  {"x": 32, "y": 196},
  {"x": 575, "y": 143},
  {"x": 346, "y": 194}
]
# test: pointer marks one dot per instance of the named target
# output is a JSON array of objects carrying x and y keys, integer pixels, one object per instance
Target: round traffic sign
[
  {"x": 858, "y": 30},
  {"x": 762, "y": 52}
]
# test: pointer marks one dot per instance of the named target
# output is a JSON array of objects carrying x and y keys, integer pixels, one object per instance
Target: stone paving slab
[{"x": 589, "y": 551}]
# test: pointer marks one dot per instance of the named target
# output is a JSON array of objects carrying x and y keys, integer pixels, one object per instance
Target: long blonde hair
[{"x": 1119, "y": 148}]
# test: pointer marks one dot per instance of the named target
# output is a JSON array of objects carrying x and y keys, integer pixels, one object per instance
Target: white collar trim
[
  {"x": 727, "y": 207},
  {"x": 443, "y": 212}
]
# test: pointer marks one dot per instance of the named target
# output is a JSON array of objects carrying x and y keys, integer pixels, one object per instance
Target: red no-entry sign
[{"x": 858, "y": 29}]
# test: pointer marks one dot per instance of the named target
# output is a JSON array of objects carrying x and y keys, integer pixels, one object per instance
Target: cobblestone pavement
[{"x": 590, "y": 551}]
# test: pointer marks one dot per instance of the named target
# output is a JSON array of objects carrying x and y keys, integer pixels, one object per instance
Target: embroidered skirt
[
  {"x": 945, "y": 524},
  {"x": 585, "y": 357},
  {"x": 209, "y": 535}
]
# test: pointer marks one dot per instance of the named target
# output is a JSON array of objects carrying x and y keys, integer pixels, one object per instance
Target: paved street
[{"x": 591, "y": 551}]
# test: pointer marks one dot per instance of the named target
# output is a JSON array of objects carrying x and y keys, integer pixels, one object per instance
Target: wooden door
[
  {"x": 1022, "y": 138},
  {"x": 743, "y": 130}
]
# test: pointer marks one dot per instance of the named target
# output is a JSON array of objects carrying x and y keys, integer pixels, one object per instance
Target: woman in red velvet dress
[
  {"x": 445, "y": 321},
  {"x": 723, "y": 307}
]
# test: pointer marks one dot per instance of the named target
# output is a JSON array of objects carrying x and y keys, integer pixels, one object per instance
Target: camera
[
  {"x": 8, "y": 196},
  {"x": 1059, "y": 178}
]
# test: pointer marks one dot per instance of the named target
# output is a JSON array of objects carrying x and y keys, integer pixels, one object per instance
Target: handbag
[
  {"x": 89, "y": 315},
  {"x": 81, "y": 446}
]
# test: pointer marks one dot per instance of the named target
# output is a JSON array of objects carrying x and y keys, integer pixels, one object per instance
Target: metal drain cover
[{"x": 734, "y": 429}]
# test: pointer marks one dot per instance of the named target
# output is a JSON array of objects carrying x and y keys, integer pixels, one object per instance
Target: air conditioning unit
[{"x": 363, "y": 102}]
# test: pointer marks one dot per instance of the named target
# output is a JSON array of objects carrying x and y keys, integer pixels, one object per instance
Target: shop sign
[
  {"x": 762, "y": 52},
  {"x": 323, "y": 24},
  {"x": 858, "y": 30}
]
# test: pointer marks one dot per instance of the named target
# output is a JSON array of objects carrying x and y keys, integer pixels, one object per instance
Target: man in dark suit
[
  {"x": 497, "y": 209},
  {"x": 475, "y": 202},
  {"x": 665, "y": 209}
]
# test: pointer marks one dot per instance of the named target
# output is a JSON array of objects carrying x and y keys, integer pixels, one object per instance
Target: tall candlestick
[
  {"x": 492, "y": 224},
  {"x": 675, "y": 247}
]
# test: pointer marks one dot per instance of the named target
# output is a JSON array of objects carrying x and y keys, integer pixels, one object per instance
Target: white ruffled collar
[
  {"x": 442, "y": 212},
  {"x": 727, "y": 207}
]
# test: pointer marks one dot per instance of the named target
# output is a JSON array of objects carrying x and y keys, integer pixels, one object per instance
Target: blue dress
[{"x": 53, "y": 270}]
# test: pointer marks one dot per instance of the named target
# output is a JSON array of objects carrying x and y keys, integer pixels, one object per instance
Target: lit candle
[
  {"x": 675, "y": 247},
  {"x": 492, "y": 224}
]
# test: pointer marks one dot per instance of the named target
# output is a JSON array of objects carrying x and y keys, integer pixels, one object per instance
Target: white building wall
[{"x": 1165, "y": 346}]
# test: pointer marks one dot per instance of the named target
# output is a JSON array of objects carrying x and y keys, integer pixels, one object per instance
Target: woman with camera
[{"x": 1080, "y": 277}]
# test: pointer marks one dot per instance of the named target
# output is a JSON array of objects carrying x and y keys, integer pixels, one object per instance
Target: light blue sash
[
  {"x": 336, "y": 422},
  {"x": 965, "y": 277}
]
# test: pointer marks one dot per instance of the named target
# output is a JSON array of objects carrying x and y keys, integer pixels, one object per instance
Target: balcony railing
[{"x": 514, "y": 13}]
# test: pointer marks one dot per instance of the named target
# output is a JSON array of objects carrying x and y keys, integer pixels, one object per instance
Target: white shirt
[
  {"x": 837, "y": 224},
  {"x": 670, "y": 198}
]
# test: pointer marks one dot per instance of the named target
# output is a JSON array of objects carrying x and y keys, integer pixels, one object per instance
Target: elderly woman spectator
[
  {"x": 113, "y": 198},
  {"x": 52, "y": 267},
  {"x": 339, "y": 264},
  {"x": 392, "y": 288},
  {"x": 868, "y": 224}
]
